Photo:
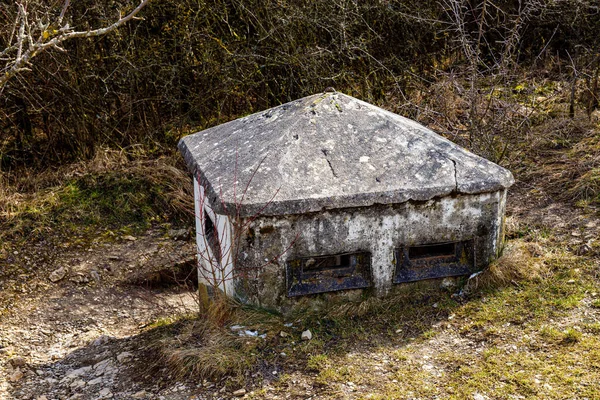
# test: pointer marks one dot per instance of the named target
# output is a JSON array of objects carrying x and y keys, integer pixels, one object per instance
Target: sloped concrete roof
[{"x": 330, "y": 151}]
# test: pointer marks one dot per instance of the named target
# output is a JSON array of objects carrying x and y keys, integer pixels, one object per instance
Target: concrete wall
[
  {"x": 255, "y": 269},
  {"x": 271, "y": 241}
]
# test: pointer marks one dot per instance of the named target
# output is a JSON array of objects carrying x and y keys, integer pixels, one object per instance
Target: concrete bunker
[{"x": 329, "y": 196}]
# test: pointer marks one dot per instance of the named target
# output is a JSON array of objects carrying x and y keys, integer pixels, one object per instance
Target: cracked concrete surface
[{"x": 330, "y": 151}]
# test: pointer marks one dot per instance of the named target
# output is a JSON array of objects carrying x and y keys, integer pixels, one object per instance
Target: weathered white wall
[
  {"x": 210, "y": 271},
  {"x": 377, "y": 229},
  {"x": 269, "y": 242}
]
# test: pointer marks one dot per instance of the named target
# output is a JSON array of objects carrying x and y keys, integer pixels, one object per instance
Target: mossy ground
[{"x": 114, "y": 194}]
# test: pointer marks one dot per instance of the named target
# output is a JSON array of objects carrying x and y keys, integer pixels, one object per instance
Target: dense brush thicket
[{"x": 191, "y": 64}]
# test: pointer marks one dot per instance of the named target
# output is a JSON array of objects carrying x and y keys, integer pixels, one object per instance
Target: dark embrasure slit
[
  {"x": 212, "y": 237},
  {"x": 311, "y": 275},
  {"x": 434, "y": 250},
  {"x": 434, "y": 260}
]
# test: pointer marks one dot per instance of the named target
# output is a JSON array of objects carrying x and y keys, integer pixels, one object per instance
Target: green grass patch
[{"x": 121, "y": 198}]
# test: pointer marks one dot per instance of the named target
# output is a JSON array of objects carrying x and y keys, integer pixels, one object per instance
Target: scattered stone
[
  {"x": 236, "y": 327},
  {"x": 79, "y": 383},
  {"x": 179, "y": 234},
  {"x": 124, "y": 357},
  {"x": 79, "y": 278},
  {"x": 571, "y": 281},
  {"x": 77, "y": 372},
  {"x": 95, "y": 275},
  {"x": 283, "y": 334},
  {"x": 104, "y": 367},
  {"x": 58, "y": 274},
  {"x": 130, "y": 238},
  {"x": 95, "y": 381},
  {"x": 239, "y": 392},
  {"x": 16, "y": 375},
  {"x": 100, "y": 340},
  {"x": 448, "y": 284},
  {"x": 591, "y": 224},
  {"x": 105, "y": 394},
  {"x": 42, "y": 397},
  {"x": 583, "y": 249},
  {"x": 306, "y": 335},
  {"x": 478, "y": 396},
  {"x": 17, "y": 362},
  {"x": 139, "y": 395}
]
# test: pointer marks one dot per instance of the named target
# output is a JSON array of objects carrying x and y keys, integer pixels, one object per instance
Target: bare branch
[{"x": 27, "y": 48}]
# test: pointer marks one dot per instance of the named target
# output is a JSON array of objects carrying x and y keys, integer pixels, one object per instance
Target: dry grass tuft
[
  {"x": 203, "y": 350},
  {"x": 204, "y": 347},
  {"x": 520, "y": 262}
]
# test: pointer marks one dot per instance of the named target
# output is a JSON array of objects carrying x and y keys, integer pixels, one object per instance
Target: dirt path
[{"x": 77, "y": 338}]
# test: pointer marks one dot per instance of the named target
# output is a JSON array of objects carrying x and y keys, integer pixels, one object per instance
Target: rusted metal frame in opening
[
  {"x": 436, "y": 260},
  {"x": 312, "y": 275}
]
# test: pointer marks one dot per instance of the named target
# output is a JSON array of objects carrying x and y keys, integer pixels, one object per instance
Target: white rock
[
  {"x": 105, "y": 394},
  {"x": 239, "y": 392},
  {"x": 79, "y": 383},
  {"x": 77, "y": 372},
  {"x": 478, "y": 396},
  {"x": 306, "y": 335},
  {"x": 448, "y": 283},
  {"x": 95, "y": 381},
  {"x": 103, "y": 367},
  {"x": 124, "y": 357},
  {"x": 130, "y": 238},
  {"x": 58, "y": 274},
  {"x": 139, "y": 395}
]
